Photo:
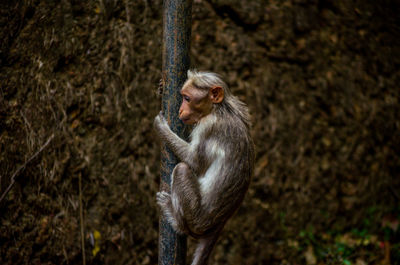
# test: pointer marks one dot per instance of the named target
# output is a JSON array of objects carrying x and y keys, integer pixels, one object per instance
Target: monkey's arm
[{"x": 180, "y": 147}]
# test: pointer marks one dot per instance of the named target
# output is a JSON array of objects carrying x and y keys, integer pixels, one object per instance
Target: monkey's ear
[{"x": 216, "y": 94}]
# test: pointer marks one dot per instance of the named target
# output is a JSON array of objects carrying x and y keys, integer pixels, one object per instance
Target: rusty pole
[{"x": 176, "y": 42}]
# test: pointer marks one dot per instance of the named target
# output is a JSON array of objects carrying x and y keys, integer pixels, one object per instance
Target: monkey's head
[{"x": 198, "y": 102}]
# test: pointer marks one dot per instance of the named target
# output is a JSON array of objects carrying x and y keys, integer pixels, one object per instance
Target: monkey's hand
[
  {"x": 160, "y": 124},
  {"x": 179, "y": 147}
]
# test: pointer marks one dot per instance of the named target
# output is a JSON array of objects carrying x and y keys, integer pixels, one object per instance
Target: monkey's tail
[{"x": 204, "y": 248}]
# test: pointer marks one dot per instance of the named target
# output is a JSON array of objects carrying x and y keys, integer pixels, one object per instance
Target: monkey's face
[
  {"x": 195, "y": 105},
  {"x": 198, "y": 103}
]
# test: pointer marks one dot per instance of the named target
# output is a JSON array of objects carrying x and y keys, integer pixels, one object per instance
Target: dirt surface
[{"x": 321, "y": 78}]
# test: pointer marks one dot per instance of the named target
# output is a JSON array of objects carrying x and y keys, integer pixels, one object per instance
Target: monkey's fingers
[
  {"x": 163, "y": 195},
  {"x": 160, "y": 87},
  {"x": 163, "y": 198},
  {"x": 162, "y": 118},
  {"x": 159, "y": 120}
]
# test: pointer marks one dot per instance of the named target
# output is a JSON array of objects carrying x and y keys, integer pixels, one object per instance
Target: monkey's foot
[
  {"x": 163, "y": 199},
  {"x": 165, "y": 203}
]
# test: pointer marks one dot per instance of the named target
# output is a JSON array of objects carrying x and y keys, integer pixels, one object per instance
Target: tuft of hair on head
[{"x": 205, "y": 80}]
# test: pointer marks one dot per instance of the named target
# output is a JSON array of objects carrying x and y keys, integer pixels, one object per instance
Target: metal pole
[{"x": 176, "y": 42}]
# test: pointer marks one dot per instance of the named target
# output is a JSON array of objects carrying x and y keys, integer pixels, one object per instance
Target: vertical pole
[{"x": 176, "y": 42}]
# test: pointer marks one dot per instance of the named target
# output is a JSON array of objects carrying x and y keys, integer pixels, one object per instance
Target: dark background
[{"x": 321, "y": 78}]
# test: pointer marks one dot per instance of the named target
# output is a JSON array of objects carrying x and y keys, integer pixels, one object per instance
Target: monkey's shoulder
[
  {"x": 229, "y": 139},
  {"x": 234, "y": 132}
]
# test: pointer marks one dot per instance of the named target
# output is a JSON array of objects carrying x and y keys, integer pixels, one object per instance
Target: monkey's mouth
[{"x": 187, "y": 121}]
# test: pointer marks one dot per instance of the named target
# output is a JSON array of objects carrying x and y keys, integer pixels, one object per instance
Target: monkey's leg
[
  {"x": 182, "y": 206},
  {"x": 187, "y": 212},
  {"x": 185, "y": 197}
]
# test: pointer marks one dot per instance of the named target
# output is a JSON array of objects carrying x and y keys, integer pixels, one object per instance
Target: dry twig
[
  {"x": 81, "y": 217},
  {"x": 21, "y": 168}
]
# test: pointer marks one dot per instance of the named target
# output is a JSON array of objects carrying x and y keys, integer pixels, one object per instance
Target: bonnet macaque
[{"x": 210, "y": 182}]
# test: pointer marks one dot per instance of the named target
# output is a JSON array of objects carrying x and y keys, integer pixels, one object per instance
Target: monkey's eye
[{"x": 186, "y": 98}]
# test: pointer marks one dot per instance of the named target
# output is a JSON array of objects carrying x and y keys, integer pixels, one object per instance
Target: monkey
[{"x": 216, "y": 167}]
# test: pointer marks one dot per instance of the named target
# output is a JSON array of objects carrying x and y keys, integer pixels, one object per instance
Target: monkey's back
[{"x": 228, "y": 151}]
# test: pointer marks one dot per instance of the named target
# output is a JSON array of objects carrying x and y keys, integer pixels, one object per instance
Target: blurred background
[{"x": 321, "y": 79}]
